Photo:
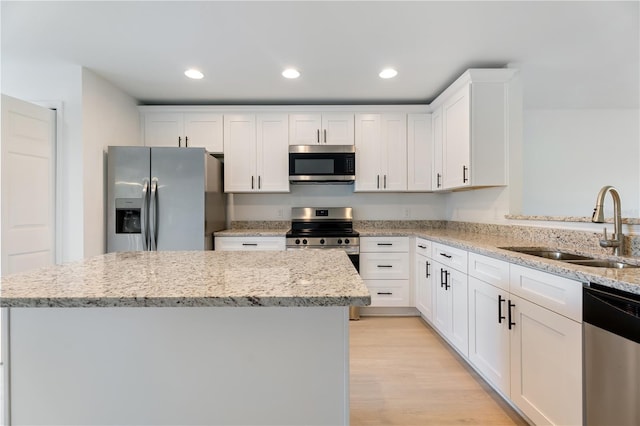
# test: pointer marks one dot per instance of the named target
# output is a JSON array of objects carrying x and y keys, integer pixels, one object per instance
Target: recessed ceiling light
[
  {"x": 291, "y": 73},
  {"x": 193, "y": 73},
  {"x": 388, "y": 73}
]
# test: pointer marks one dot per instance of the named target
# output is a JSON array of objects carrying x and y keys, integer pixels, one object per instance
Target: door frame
[{"x": 58, "y": 107}]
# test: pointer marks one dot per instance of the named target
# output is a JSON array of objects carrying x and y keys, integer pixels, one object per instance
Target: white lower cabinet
[
  {"x": 451, "y": 307},
  {"x": 546, "y": 364},
  {"x": 423, "y": 278},
  {"x": 384, "y": 267},
  {"x": 528, "y": 351},
  {"x": 489, "y": 333},
  {"x": 249, "y": 243}
]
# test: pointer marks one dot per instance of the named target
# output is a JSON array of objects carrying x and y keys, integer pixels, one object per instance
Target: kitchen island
[{"x": 182, "y": 338}]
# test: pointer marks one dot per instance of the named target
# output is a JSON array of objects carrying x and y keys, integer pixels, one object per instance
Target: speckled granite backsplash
[
  {"x": 550, "y": 237},
  {"x": 260, "y": 224}
]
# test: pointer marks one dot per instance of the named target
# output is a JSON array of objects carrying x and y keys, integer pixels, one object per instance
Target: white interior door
[{"x": 28, "y": 186}]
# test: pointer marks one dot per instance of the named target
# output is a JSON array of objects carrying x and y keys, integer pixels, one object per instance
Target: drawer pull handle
[
  {"x": 386, "y": 293},
  {"x": 249, "y": 244},
  {"x": 421, "y": 246},
  {"x": 511, "y": 323},
  {"x": 427, "y": 269},
  {"x": 444, "y": 279},
  {"x": 448, "y": 256},
  {"x": 385, "y": 244},
  {"x": 500, "y": 316},
  {"x": 385, "y": 266}
]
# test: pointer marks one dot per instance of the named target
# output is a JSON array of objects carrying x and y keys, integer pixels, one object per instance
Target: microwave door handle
[
  {"x": 153, "y": 216},
  {"x": 144, "y": 212}
]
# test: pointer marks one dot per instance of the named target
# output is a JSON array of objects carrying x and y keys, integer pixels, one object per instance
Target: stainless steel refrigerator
[{"x": 163, "y": 199}]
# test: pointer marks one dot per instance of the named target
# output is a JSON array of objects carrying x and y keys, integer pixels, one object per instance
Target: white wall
[
  {"x": 109, "y": 117},
  {"x": 570, "y": 154},
  {"x": 38, "y": 81},
  {"x": 366, "y": 206}
]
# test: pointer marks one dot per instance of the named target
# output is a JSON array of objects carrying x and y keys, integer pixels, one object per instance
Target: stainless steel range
[{"x": 325, "y": 228}]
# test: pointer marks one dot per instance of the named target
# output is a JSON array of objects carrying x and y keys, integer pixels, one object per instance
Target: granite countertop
[
  {"x": 627, "y": 279},
  {"x": 192, "y": 279}
]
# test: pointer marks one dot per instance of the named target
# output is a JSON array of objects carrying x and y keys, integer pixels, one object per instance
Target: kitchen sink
[{"x": 574, "y": 259}]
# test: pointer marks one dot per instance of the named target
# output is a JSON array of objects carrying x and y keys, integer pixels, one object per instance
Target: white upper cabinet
[
  {"x": 470, "y": 131},
  {"x": 178, "y": 129},
  {"x": 256, "y": 154},
  {"x": 314, "y": 129},
  {"x": 381, "y": 152},
  {"x": 419, "y": 152}
]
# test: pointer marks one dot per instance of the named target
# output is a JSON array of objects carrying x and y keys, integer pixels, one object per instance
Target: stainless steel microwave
[{"x": 322, "y": 163}]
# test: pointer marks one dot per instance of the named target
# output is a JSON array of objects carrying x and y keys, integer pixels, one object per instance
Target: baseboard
[{"x": 379, "y": 311}]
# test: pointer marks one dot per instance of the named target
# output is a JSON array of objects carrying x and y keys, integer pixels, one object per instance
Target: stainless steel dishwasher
[{"x": 611, "y": 356}]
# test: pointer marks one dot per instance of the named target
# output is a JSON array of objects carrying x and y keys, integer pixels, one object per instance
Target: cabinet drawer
[
  {"x": 391, "y": 266},
  {"x": 558, "y": 294},
  {"x": 489, "y": 270},
  {"x": 450, "y": 256},
  {"x": 388, "y": 292},
  {"x": 249, "y": 243},
  {"x": 423, "y": 247},
  {"x": 384, "y": 244}
]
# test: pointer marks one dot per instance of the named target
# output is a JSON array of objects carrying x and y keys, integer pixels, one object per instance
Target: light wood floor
[{"x": 402, "y": 373}]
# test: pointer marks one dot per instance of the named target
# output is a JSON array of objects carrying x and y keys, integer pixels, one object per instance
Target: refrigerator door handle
[
  {"x": 153, "y": 216},
  {"x": 144, "y": 215}
]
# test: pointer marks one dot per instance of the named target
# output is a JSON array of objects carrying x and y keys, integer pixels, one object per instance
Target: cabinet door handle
[
  {"x": 249, "y": 244},
  {"x": 448, "y": 256},
  {"x": 439, "y": 176},
  {"x": 385, "y": 181},
  {"x": 511, "y": 323},
  {"x": 443, "y": 277},
  {"x": 186, "y": 141},
  {"x": 259, "y": 182},
  {"x": 500, "y": 316},
  {"x": 446, "y": 283},
  {"x": 385, "y": 266},
  {"x": 378, "y": 181},
  {"x": 325, "y": 135},
  {"x": 427, "y": 274},
  {"x": 179, "y": 142},
  {"x": 318, "y": 136},
  {"x": 251, "y": 182},
  {"x": 465, "y": 179},
  {"x": 387, "y": 293}
]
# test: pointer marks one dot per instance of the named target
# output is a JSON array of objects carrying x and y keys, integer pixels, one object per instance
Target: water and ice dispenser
[{"x": 128, "y": 211}]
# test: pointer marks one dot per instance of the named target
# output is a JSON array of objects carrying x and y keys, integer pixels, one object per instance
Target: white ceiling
[{"x": 572, "y": 54}]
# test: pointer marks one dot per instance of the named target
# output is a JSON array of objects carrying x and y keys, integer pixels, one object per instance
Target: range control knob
[
  {"x": 304, "y": 241},
  {"x": 321, "y": 240},
  {"x": 339, "y": 241},
  {"x": 297, "y": 241},
  {"x": 346, "y": 241}
]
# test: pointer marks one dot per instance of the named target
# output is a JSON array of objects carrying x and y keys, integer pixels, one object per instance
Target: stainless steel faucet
[{"x": 617, "y": 242}]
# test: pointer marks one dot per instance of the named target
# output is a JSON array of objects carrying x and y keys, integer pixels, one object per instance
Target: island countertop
[{"x": 191, "y": 279}]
